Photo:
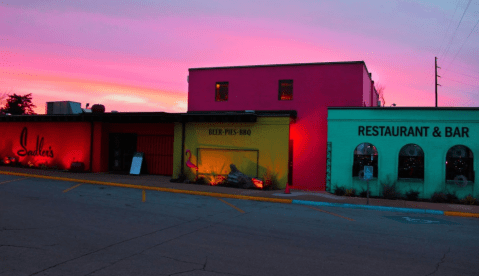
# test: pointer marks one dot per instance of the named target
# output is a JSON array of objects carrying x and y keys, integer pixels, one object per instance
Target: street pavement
[
  {"x": 60, "y": 227},
  {"x": 163, "y": 182}
]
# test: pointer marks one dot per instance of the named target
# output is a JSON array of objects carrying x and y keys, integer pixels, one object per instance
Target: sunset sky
[{"x": 135, "y": 55}]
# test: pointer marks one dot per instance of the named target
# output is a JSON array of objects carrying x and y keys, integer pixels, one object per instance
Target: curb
[
  {"x": 275, "y": 200},
  {"x": 142, "y": 187},
  {"x": 369, "y": 207},
  {"x": 461, "y": 214}
]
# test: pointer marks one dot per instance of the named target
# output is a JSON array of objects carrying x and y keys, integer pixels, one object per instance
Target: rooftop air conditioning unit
[{"x": 63, "y": 107}]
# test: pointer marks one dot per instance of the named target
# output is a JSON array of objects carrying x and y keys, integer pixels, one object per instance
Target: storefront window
[
  {"x": 411, "y": 162},
  {"x": 285, "y": 90},
  {"x": 221, "y": 94},
  {"x": 365, "y": 154},
  {"x": 459, "y": 162}
]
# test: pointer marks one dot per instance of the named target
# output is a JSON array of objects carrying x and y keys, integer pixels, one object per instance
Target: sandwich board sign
[
  {"x": 136, "y": 163},
  {"x": 368, "y": 172}
]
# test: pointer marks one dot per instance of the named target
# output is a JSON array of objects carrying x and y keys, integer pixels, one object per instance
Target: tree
[
  {"x": 19, "y": 105},
  {"x": 380, "y": 89},
  {"x": 3, "y": 95}
]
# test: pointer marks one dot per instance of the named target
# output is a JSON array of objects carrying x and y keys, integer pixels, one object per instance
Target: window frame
[
  {"x": 218, "y": 87},
  {"x": 467, "y": 159},
  {"x": 280, "y": 94},
  {"x": 420, "y": 156},
  {"x": 361, "y": 158}
]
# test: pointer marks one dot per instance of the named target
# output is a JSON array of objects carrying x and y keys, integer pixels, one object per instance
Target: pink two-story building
[{"x": 308, "y": 88}]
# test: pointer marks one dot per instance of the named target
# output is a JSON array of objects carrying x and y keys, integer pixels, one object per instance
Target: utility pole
[{"x": 436, "y": 77}]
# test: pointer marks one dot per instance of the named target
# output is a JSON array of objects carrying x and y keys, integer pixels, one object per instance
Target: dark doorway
[{"x": 122, "y": 149}]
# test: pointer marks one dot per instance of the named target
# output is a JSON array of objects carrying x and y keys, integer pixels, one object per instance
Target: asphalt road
[{"x": 46, "y": 228}]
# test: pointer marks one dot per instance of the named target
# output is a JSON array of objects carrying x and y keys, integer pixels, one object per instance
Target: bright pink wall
[
  {"x": 367, "y": 99},
  {"x": 315, "y": 87}
]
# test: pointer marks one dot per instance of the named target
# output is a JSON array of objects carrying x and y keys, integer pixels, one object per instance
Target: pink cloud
[{"x": 140, "y": 63}]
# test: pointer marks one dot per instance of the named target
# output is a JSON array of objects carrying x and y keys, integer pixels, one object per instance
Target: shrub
[
  {"x": 350, "y": 192},
  {"x": 389, "y": 191},
  {"x": 412, "y": 195},
  {"x": 439, "y": 197},
  {"x": 451, "y": 198},
  {"x": 270, "y": 180},
  {"x": 363, "y": 193},
  {"x": 340, "y": 191},
  {"x": 469, "y": 200}
]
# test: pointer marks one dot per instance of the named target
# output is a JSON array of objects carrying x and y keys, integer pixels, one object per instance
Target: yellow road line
[
  {"x": 461, "y": 214},
  {"x": 238, "y": 209},
  {"x": 13, "y": 180},
  {"x": 331, "y": 213},
  {"x": 143, "y": 198},
  {"x": 71, "y": 188},
  {"x": 152, "y": 188}
]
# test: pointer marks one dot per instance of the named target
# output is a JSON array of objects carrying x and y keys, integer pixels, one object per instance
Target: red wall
[
  {"x": 148, "y": 134},
  {"x": 63, "y": 143},
  {"x": 315, "y": 87}
]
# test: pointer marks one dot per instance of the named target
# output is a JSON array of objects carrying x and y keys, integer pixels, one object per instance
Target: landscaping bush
[
  {"x": 469, "y": 200},
  {"x": 412, "y": 195},
  {"x": 439, "y": 197},
  {"x": 363, "y": 193},
  {"x": 389, "y": 191},
  {"x": 350, "y": 192},
  {"x": 340, "y": 191},
  {"x": 451, "y": 198}
]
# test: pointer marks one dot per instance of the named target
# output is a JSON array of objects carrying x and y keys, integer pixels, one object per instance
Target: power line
[
  {"x": 465, "y": 74},
  {"x": 468, "y": 69},
  {"x": 463, "y": 44},
  {"x": 449, "y": 26},
  {"x": 459, "y": 91},
  {"x": 455, "y": 31},
  {"x": 462, "y": 82}
]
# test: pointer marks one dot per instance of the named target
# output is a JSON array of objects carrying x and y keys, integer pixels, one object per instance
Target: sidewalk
[{"x": 162, "y": 183}]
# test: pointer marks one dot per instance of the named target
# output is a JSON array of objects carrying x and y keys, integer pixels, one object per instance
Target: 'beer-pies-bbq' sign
[{"x": 229, "y": 131}]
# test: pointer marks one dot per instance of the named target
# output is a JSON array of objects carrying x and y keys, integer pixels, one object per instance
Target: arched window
[
  {"x": 459, "y": 162},
  {"x": 365, "y": 154},
  {"x": 411, "y": 162}
]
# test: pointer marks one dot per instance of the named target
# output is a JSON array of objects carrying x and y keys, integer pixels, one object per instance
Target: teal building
[{"x": 421, "y": 149}]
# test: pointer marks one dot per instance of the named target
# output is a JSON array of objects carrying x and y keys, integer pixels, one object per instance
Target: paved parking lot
[{"x": 53, "y": 227}]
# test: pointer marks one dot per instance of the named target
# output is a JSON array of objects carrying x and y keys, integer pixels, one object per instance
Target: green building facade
[{"x": 421, "y": 149}]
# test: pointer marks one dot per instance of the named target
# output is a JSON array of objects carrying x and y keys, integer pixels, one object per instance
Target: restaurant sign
[
  {"x": 404, "y": 131},
  {"x": 38, "y": 151},
  {"x": 229, "y": 131}
]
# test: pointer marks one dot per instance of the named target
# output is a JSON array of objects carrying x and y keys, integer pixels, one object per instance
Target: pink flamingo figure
[{"x": 191, "y": 165}]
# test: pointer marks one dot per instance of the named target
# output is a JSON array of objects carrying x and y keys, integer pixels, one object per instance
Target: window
[
  {"x": 459, "y": 162},
  {"x": 365, "y": 154},
  {"x": 411, "y": 162},
  {"x": 285, "y": 90},
  {"x": 221, "y": 91}
]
